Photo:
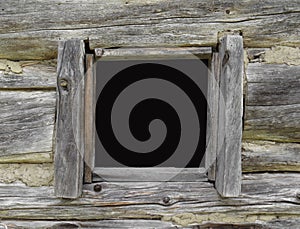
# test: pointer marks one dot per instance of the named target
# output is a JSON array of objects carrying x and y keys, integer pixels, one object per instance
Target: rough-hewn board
[
  {"x": 26, "y": 123},
  {"x": 89, "y": 119},
  {"x": 157, "y": 53},
  {"x": 36, "y": 76},
  {"x": 264, "y": 197},
  {"x": 277, "y": 123},
  {"x": 149, "y": 174},
  {"x": 270, "y": 156},
  {"x": 142, "y": 23},
  {"x": 228, "y": 164},
  {"x": 212, "y": 116},
  {"x": 273, "y": 84},
  {"x": 69, "y": 151}
]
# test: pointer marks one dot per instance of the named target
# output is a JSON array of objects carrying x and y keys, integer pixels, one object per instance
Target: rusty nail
[
  {"x": 97, "y": 188},
  {"x": 166, "y": 200},
  {"x": 99, "y": 51}
]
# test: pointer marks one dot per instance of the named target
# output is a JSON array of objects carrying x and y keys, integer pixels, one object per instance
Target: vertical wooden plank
[
  {"x": 212, "y": 116},
  {"x": 90, "y": 101},
  {"x": 228, "y": 167},
  {"x": 70, "y": 120}
]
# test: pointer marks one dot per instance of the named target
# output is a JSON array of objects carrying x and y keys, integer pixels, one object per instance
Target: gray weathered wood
[
  {"x": 270, "y": 156},
  {"x": 69, "y": 151},
  {"x": 212, "y": 116},
  {"x": 264, "y": 197},
  {"x": 273, "y": 102},
  {"x": 89, "y": 127},
  {"x": 149, "y": 174},
  {"x": 159, "y": 52},
  {"x": 142, "y": 23},
  {"x": 36, "y": 76},
  {"x": 228, "y": 166},
  {"x": 148, "y": 224},
  {"x": 26, "y": 124},
  {"x": 273, "y": 84},
  {"x": 112, "y": 224},
  {"x": 275, "y": 123}
]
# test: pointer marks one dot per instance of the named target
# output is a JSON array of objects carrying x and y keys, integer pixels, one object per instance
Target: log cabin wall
[{"x": 29, "y": 35}]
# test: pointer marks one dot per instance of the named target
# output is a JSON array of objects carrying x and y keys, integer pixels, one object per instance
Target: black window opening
[{"x": 151, "y": 113}]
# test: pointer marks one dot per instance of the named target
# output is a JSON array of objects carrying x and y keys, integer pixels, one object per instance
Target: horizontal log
[
  {"x": 146, "y": 224},
  {"x": 112, "y": 224},
  {"x": 270, "y": 156},
  {"x": 264, "y": 197},
  {"x": 36, "y": 76},
  {"x": 272, "y": 102},
  {"x": 142, "y": 23},
  {"x": 27, "y": 123},
  {"x": 272, "y": 84},
  {"x": 274, "y": 123}
]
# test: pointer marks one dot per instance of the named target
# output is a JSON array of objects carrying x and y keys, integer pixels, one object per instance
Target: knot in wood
[
  {"x": 63, "y": 83},
  {"x": 225, "y": 58}
]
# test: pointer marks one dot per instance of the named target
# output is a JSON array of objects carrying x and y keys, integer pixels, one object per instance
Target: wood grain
[
  {"x": 228, "y": 166},
  {"x": 272, "y": 102},
  {"x": 89, "y": 118},
  {"x": 27, "y": 124},
  {"x": 149, "y": 174},
  {"x": 142, "y": 23},
  {"x": 69, "y": 151},
  {"x": 274, "y": 123},
  {"x": 156, "y": 53},
  {"x": 273, "y": 84},
  {"x": 37, "y": 76},
  {"x": 212, "y": 116},
  {"x": 147, "y": 224},
  {"x": 270, "y": 156},
  {"x": 264, "y": 197}
]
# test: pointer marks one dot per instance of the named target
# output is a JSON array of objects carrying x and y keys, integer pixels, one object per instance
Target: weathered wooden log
[
  {"x": 272, "y": 102},
  {"x": 272, "y": 84},
  {"x": 270, "y": 156},
  {"x": 147, "y": 224},
  {"x": 264, "y": 197},
  {"x": 274, "y": 123},
  {"x": 37, "y": 76},
  {"x": 142, "y": 23},
  {"x": 27, "y": 124}
]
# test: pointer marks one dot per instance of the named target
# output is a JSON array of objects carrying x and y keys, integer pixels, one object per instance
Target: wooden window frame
[{"x": 75, "y": 129}]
